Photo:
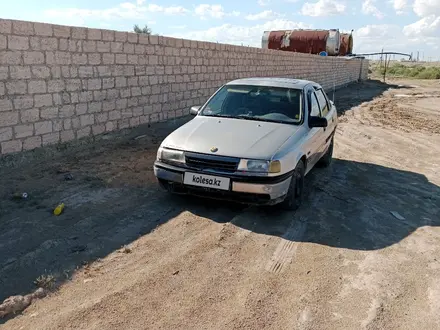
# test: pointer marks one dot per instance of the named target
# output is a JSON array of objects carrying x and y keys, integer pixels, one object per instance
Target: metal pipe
[{"x": 382, "y": 53}]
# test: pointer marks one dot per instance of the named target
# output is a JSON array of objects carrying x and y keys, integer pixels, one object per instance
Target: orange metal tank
[
  {"x": 346, "y": 46},
  {"x": 303, "y": 41}
]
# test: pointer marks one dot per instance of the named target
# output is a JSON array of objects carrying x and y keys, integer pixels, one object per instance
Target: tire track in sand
[{"x": 286, "y": 249}]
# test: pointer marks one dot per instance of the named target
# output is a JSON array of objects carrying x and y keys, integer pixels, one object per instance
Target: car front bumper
[{"x": 241, "y": 189}]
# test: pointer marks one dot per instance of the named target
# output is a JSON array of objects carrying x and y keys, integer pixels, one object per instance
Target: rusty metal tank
[
  {"x": 346, "y": 46},
  {"x": 303, "y": 41}
]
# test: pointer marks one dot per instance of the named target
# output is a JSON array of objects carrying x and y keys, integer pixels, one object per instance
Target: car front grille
[{"x": 210, "y": 162}]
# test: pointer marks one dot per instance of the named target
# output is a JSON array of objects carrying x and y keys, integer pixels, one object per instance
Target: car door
[
  {"x": 329, "y": 112},
  {"x": 314, "y": 138}
]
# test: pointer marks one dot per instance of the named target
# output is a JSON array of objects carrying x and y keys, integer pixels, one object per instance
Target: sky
[{"x": 393, "y": 25}]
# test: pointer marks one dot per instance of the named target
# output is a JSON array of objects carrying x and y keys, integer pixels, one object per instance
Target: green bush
[{"x": 410, "y": 71}]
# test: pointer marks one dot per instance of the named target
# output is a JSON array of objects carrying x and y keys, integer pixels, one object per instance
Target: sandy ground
[{"x": 129, "y": 256}]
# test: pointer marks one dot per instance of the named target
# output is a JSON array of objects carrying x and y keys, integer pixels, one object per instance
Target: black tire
[
  {"x": 326, "y": 159},
  {"x": 294, "y": 195}
]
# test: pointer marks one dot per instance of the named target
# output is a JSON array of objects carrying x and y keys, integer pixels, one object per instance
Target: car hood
[{"x": 233, "y": 137}]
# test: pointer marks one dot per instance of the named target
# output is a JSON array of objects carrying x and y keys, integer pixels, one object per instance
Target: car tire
[
  {"x": 294, "y": 195},
  {"x": 326, "y": 159}
]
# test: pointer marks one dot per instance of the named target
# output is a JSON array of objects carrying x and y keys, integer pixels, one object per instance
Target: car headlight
[
  {"x": 171, "y": 155},
  {"x": 259, "y": 166}
]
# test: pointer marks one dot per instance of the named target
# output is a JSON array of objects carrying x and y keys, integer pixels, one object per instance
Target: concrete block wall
[{"x": 60, "y": 83}]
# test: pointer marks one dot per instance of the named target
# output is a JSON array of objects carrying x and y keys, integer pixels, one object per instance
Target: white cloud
[
  {"x": 374, "y": 38},
  {"x": 237, "y": 34},
  {"x": 410, "y": 39},
  {"x": 106, "y": 14},
  {"x": 173, "y": 10},
  {"x": 204, "y": 11},
  {"x": 400, "y": 6},
  {"x": 128, "y": 5},
  {"x": 263, "y": 3},
  {"x": 267, "y": 14},
  {"x": 426, "y": 7},
  {"x": 426, "y": 27},
  {"x": 369, "y": 8},
  {"x": 422, "y": 35},
  {"x": 323, "y": 8},
  {"x": 377, "y": 31},
  {"x": 126, "y": 10}
]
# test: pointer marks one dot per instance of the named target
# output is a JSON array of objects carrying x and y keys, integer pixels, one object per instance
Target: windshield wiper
[
  {"x": 247, "y": 117},
  {"x": 219, "y": 115}
]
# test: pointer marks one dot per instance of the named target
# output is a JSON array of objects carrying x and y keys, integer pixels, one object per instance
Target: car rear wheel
[
  {"x": 294, "y": 195},
  {"x": 326, "y": 159}
]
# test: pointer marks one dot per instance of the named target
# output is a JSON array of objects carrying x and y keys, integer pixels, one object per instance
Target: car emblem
[{"x": 214, "y": 149}]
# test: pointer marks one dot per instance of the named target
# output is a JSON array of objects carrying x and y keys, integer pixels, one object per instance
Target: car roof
[{"x": 274, "y": 82}]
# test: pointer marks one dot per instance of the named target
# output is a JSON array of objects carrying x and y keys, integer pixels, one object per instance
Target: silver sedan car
[{"x": 253, "y": 141}]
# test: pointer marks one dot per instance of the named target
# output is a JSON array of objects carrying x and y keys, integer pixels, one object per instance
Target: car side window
[
  {"x": 314, "y": 106},
  {"x": 323, "y": 104}
]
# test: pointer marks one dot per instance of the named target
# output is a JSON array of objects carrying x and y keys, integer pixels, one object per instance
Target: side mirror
[
  {"x": 317, "y": 122},
  {"x": 194, "y": 110}
]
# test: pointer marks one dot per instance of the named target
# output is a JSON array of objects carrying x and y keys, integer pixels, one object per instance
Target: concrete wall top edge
[{"x": 35, "y": 28}]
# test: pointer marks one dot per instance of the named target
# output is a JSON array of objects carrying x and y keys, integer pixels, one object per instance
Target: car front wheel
[{"x": 294, "y": 195}]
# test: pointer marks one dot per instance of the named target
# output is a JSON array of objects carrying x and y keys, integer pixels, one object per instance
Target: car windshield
[{"x": 263, "y": 103}]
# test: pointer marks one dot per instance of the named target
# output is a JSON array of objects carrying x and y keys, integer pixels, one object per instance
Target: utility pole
[
  {"x": 386, "y": 66},
  {"x": 380, "y": 63}
]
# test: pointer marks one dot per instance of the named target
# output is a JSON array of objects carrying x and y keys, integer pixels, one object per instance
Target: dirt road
[{"x": 363, "y": 252}]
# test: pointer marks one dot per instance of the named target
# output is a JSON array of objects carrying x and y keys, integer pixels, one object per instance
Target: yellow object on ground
[{"x": 59, "y": 209}]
